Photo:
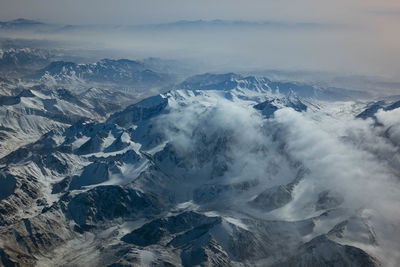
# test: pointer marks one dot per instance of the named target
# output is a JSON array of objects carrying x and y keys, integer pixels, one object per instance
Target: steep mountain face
[
  {"x": 373, "y": 107},
  {"x": 23, "y": 61},
  {"x": 20, "y": 24},
  {"x": 124, "y": 74},
  {"x": 268, "y": 107},
  {"x": 18, "y": 57},
  {"x": 224, "y": 171},
  {"x": 28, "y": 111},
  {"x": 232, "y": 81}
]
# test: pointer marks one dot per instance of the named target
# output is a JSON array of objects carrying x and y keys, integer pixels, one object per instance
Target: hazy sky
[
  {"x": 154, "y": 11},
  {"x": 364, "y": 37}
]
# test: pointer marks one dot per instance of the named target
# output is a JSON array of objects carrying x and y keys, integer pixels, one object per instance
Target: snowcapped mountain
[
  {"x": 30, "y": 110},
  {"x": 22, "y": 24},
  {"x": 223, "y": 170},
  {"x": 14, "y": 57},
  {"x": 374, "y": 107},
  {"x": 125, "y": 74},
  {"x": 230, "y": 81},
  {"x": 18, "y": 24},
  {"x": 22, "y": 61}
]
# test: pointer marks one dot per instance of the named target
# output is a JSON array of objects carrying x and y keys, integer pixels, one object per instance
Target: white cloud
[{"x": 345, "y": 155}]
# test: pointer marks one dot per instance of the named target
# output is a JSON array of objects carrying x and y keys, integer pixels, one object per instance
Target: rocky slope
[{"x": 123, "y": 74}]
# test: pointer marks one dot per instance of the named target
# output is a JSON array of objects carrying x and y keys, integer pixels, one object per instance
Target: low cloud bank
[{"x": 353, "y": 158}]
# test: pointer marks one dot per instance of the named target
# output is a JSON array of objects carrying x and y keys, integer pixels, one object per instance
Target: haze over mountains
[
  {"x": 179, "y": 144},
  {"x": 303, "y": 47}
]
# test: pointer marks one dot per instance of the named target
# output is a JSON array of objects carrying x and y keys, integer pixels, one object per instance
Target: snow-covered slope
[
  {"x": 124, "y": 74},
  {"x": 231, "y": 81},
  {"x": 373, "y": 107},
  {"x": 23, "y": 61},
  {"x": 29, "y": 111}
]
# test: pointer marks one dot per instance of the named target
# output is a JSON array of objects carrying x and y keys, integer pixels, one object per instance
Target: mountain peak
[{"x": 25, "y": 21}]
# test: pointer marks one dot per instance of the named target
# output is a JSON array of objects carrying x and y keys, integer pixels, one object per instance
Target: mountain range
[
  {"x": 214, "y": 170},
  {"x": 22, "y": 24}
]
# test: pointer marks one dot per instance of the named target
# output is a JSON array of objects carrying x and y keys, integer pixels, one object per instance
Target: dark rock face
[
  {"x": 188, "y": 232},
  {"x": 328, "y": 200},
  {"x": 7, "y": 185},
  {"x": 93, "y": 145},
  {"x": 393, "y": 106},
  {"x": 117, "y": 145},
  {"x": 143, "y": 110},
  {"x": 269, "y": 107},
  {"x": 54, "y": 163},
  {"x": 213, "y": 192},
  {"x": 111, "y": 202},
  {"x": 5, "y": 259},
  {"x": 155, "y": 231},
  {"x": 12, "y": 100},
  {"x": 272, "y": 198},
  {"x": 209, "y": 254},
  {"x": 61, "y": 186},
  {"x": 201, "y": 239},
  {"x": 94, "y": 173},
  {"x": 321, "y": 251},
  {"x": 373, "y": 108}
]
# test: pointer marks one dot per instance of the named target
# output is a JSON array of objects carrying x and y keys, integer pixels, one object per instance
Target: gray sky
[
  {"x": 364, "y": 38},
  {"x": 156, "y": 11}
]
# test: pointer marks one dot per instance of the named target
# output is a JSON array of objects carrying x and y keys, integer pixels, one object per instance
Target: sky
[
  {"x": 157, "y": 11},
  {"x": 356, "y": 36}
]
